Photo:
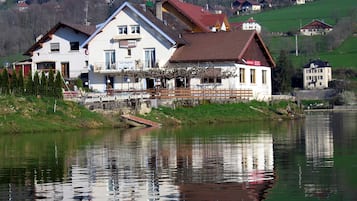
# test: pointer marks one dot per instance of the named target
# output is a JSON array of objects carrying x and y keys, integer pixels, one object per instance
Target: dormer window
[
  {"x": 135, "y": 29},
  {"x": 123, "y": 30}
]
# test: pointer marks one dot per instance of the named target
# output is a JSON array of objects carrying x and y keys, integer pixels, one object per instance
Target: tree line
[{"x": 13, "y": 83}]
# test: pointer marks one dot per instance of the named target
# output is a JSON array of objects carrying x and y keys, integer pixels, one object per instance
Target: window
[
  {"x": 123, "y": 29},
  {"x": 264, "y": 76},
  {"x": 55, "y": 47},
  {"x": 110, "y": 59},
  {"x": 74, "y": 45},
  {"x": 150, "y": 58},
  {"x": 210, "y": 80},
  {"x": 46, "y": 66},
  {"x": 135, "y": 29},
  {"x": 242, "y": 75},
  {"x": 129, "y": 52},
  {"x": 252, "y": 76}
]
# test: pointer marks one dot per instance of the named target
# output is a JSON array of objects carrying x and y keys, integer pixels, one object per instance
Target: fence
[{"x": 205, "y": 94}]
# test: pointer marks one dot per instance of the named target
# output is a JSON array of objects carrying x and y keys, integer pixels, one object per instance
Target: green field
[{"x": 291, "y": 18}]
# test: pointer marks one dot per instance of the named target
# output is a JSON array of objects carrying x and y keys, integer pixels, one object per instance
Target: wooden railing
[{"x": 184, "y": 93}]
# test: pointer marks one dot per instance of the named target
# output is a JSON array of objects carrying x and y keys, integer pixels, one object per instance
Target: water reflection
[{"x": 248, "y": 161}]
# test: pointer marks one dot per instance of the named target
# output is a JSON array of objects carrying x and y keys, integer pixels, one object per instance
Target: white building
[
  {"x": 59, "y": 50},
  {"x": 251, "y": 24},
  {"x": 317, "y": 74},
  {"x": 130, "y": 41}
]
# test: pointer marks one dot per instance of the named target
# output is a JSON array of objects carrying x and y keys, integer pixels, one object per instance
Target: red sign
[{"x": 253, "y": 63}]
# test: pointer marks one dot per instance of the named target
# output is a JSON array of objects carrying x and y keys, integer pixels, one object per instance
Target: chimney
[{"x": 158, "y": 6}]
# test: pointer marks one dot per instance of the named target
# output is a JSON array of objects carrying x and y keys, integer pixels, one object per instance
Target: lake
[{"x": 310, "y": 159}]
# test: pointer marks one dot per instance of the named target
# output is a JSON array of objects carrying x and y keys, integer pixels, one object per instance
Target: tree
[
  {"x": 43, "y": 84},
  {"x": 36, "y": 84},
  {"x": 13, "y": 83},
  {"x": 29, "y": 89},
  {"x": 5, "y": 82},
  {"x": 20, "y": 83},
  {"x": 58, "y": 86},
  {"x": 51, "y": 84},
  {"x": 282, "y": 74}
]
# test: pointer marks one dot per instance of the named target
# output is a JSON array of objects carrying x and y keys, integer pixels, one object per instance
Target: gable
[
  {"x": 69, "y": 32},
  {"x": 255, "y": 53},
  {"x": 138, "y": 15}
]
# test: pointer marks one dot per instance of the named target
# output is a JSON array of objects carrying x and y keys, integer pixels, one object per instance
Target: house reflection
[
  {"x": 151, "y": 168},
  {"x": 319, "y": 155}
]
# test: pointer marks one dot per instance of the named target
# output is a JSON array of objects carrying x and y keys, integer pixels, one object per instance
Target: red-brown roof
[
  {"x": 236, "y": 46},
  {"x": 317, "y": 24},
  {"x": 197, "y": 14}
]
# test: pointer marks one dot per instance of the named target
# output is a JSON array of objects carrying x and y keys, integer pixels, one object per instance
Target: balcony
[
  {"x": 127, "y": 37},
  {"x": 123, "y": 65}
]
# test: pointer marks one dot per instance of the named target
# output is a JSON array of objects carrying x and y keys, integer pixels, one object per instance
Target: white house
[
  {"x": 130, "y": 42},
  {"x": 251, "y": 24},
  {"x": 59, "y": 49},
  {"x": 230, "y": 60},
  {"x": 316, "y": 27},
  {"x": 317, "y": 74},
  {"x": 300, "y": 2}
]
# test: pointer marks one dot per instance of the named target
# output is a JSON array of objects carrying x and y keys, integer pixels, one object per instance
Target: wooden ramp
[{"x": 141, "y": 121}]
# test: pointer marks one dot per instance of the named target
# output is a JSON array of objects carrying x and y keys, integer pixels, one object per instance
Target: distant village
[{"x": 169, "y": 45}]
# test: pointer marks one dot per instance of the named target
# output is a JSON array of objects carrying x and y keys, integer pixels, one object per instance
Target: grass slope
[
  {"x": 216, "y": 113},
  {"x": 31, "y": 114}
]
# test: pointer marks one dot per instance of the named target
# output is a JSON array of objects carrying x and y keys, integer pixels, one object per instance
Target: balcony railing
[{"x": 102, "y": 67}]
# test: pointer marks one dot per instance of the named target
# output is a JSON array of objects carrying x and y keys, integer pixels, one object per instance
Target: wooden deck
[{"x": 141, "y": 120}]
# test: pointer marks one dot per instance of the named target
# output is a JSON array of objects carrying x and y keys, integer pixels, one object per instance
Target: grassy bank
[
  {"x": 217, "y": 113},
  {"x": 31, "y": 114}
]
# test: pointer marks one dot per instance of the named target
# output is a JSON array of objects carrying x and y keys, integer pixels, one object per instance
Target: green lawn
[{"x": 291, "y": 18}]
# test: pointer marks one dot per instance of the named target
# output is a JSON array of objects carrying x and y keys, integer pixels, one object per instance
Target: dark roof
[
  {"x": 86, "y": 30},
  {"x": 175, "y": 35},
  {"x": 218, "y": 46},
  {"x": 318, "y": 64},
  {"x": 317, "y": 24}
]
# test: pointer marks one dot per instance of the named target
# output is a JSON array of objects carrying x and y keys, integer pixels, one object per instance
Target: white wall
[
  {"x": 76, "y": 59},
  {"x": 104, "y": 41}
]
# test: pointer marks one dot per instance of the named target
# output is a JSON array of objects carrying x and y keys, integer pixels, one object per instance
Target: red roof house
[{"x": 316, "y": 27}]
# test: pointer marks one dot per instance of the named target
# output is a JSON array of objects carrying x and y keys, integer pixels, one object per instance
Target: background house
[
  {"x": 59, "y": 50},
  {"x": 317, "y": 74},
  {"x": 316, "y": 27}
]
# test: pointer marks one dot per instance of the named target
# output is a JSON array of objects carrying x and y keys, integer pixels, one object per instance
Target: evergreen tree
[
  {"x": 29, "y": 89},
  {"x": 58, "y": 85},
  {"x": 5, "y": 82},
  {"x": 13, "y": 84},
  {"x": 20, "y": 83},
  {"x": 282, "y": 74},
  {"x": 36, "y": 84},
  {"x": 51, "y": 84},
  {"x": 43, "y": 84}
]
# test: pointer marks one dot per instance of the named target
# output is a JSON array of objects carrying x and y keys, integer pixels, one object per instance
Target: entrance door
[
  {"x": 150, "y": 84},
  {"x": 65, "y": 70}
]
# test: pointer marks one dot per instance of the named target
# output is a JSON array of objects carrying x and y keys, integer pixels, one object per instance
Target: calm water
[{"x": 310, "y": 159}]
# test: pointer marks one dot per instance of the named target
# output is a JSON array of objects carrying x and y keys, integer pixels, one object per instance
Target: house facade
[
  {"x": 316, "y": 27},
  {"x": 128, "y": 45},
  {"x": 236, "y": 60},
  {"x": 251, "y": 24},
  {"x": 59, "y": 50},
  {"x": 317, "y": 74}
]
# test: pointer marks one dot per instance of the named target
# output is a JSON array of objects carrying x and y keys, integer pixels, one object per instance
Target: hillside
[{"x": 291, "y": 18}]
